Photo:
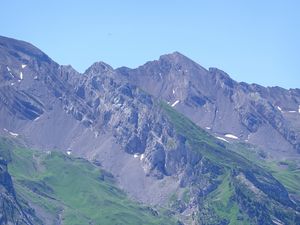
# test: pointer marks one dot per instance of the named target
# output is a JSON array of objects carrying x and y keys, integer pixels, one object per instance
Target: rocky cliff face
[
  {"x": 157, "y": 155},
  {"x": 94, "y": 115},
  {"x": 11, "y": 211},
  {"x": 226, "y": 108}
]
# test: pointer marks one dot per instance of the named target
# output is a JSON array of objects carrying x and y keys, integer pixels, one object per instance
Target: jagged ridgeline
[{"x": 112, "y": 147}]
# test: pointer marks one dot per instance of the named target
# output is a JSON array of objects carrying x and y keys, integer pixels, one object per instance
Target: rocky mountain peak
[
  {"x": 99, "y": 68},
  {"x": 23, "y": 51},
  {"x": 127, "y": 121},
  {"x": 175, "y": 57},
  {"x": 223, "y": 78}
]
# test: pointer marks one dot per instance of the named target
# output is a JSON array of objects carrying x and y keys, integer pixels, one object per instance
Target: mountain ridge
[{"x": 157, "y": 155}]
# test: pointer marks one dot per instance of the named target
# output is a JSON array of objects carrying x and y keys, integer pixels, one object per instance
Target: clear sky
[{"x": 254, "y": 41}]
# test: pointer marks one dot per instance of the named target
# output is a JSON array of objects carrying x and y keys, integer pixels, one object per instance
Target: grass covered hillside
[
  {"x": 236, "y": 190},
  {"x": 67, "y": 190}
]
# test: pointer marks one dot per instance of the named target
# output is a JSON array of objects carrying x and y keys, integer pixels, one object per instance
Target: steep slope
[
  {"x": 237, "y": 185},
  {"x": 266, "y": 117},
  {"x": 13, "y": 210},
  {"x": 68, "y": 190},
  {"x": 156, "y": 155}
]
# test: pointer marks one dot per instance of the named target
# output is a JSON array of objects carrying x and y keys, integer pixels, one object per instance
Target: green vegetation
[
  {"x": 245, "y": 191},
  {"x": 287, "y": 172},
  {"x": 73, "y": 190},
  {"x": 207, "y": 145},
  {"x": 186, "y": 196},
  {"x": 222, "y": 202}
]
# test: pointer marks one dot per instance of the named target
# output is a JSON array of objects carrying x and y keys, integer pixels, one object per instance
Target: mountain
[
  {"x": 126, "y": 122},
  {"x": 266, "y": 117},
  {"x": 13, "y": 210},
  {"x": 62, "y": 189}
]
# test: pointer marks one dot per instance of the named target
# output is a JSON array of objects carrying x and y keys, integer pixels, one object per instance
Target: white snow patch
[
  {"x": 35, "y": 77},
  {"x": 5, "y": 129},
  {"x": 23, "y": 66},
  {"x": 69, "y": 152},
  {"x": 208, "y": 128},
  {"x": 222, "y": 139},
  {"x": 299, "y": 109},
  {"x": 231, "y": 136},
  {"x": 175, "y": 103},
  {"x": 292, "y": 111},
  {"x": 13, "y": 134},
  {"x": 8, "y": 69},
  {"x": 277, "y": 221},
  {"x": 12, "y": 84},
  {"x": 36, "y": 119},
  {"x": 136, "y": 155},
  {"x": 142, "y": 157},
  {"x": 173, "y": 91},
  {"x": 11, "y": 74},
  {"x": 21, "y": 75},
  {"x": 160, "y": 76},
  {"x": 19, "y": 81},
  {"x": 279, "y": 108}
]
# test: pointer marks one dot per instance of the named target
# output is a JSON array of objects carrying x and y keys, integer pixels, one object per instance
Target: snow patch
[
  {"x": 299, "y": 109},
  {"x": 208, "y": 128},
  {"x": 69, "y": 152},
  {"x": 292, "y": 111},
  {"x": 277, "y": 221},
  {"x": 35, "y": 77},
  {"x": 23, "y": 66},
  {"x": 279, "y": 108},
  {"x": 136, "y": 155},
  {"x": 36, "y": 119},
  {"x": 8, "y": 69},
  {"x": 222, "y": 139},
  {"x": 231, "y": 136},
  {"x": 12, "y": 84},
  {"x": 175, "y": 103},
  {"x": 5, "y": 129},
  {"x": 21, "y": 75},
  {"x": 142, "y": 157},
  {"x": 173, "y": 91},
  {"x": 13, "y": 134},
  {"x": 160, "y": 76}
]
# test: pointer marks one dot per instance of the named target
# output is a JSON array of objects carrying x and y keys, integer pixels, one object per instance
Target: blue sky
[{"x": 253, "y": 41}]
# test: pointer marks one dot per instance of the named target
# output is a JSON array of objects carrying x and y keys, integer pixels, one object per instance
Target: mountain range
[{"x": 166, "y": 143}]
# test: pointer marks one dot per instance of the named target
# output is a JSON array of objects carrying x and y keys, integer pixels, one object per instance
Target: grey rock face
[
  {"x": 214, "y": 101},
  {"x": 11, "y": 211},
  {"x": 107, "y": 116},
  {"x": 55, "y": 107}
]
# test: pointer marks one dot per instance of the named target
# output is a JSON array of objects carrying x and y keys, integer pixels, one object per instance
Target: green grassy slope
[
  {"x": 286, "y": 171},
  {"x": 73, "y": 190},
  {"x": 246, "y": 192}
]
